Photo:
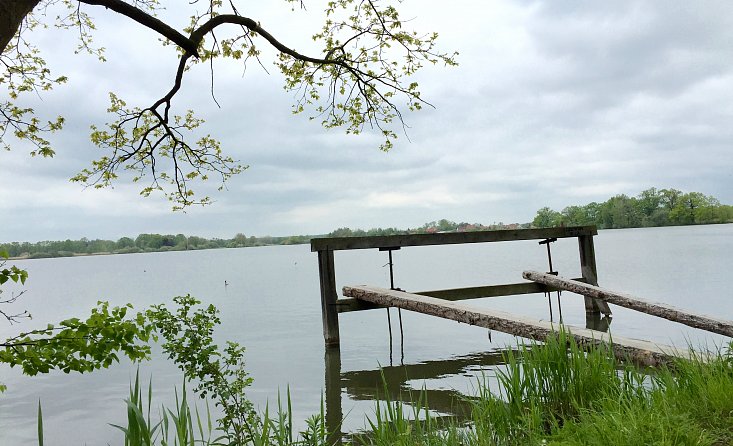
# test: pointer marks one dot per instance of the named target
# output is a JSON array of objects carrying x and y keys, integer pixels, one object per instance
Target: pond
[{"x": 271, "y": 305}]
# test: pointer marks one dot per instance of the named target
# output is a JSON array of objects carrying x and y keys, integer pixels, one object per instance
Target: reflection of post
[
  {"x": 334, "y": 413},
  {"x": 328, "y": 298},
  {"x": 594, "y": 321},
  {"x": 590, "y": 275}
]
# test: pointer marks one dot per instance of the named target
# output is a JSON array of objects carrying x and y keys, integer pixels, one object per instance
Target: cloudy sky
[{"x": 554, "y": 103}]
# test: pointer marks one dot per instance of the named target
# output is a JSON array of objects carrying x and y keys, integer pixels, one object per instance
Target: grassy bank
[{"x": 552, "y": 393}]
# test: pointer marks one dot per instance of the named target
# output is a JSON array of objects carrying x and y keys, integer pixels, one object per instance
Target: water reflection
[
  {"x": 393, "y": 383},
  {"x": 595, "y": 321}
]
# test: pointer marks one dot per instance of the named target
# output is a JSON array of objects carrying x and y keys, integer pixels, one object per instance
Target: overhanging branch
[{"x": 148, "y": 21}]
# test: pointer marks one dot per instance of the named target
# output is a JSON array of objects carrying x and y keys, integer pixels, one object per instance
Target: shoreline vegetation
[
  {"x": 551, "y": 393},
  {"x": 651, "y": 208}
]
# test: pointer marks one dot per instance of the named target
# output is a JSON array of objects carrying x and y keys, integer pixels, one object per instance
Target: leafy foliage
[
  {"x": 188, "y": 341},
  {"x": 80, "y": 345},
  {"x": 139, "y": 140},
  {"x": 12, "y": 273},
  {"x": 25, "y": 71},
  {"x": 358, "y": 80}
]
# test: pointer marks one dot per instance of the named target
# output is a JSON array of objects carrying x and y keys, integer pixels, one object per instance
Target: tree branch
[
  {"x": 148, "y": 21},
  {"x": 198, "y": 34},
  {"x": 12, "y": 14}
]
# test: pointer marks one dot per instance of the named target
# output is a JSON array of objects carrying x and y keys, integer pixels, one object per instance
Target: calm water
[{"x": 271, "y": 306}]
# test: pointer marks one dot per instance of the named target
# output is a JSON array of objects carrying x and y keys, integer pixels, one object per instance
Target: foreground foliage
[{"x": 551, "y": 394}]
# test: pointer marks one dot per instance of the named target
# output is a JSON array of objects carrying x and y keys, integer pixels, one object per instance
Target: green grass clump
[
  {"x": 559, "y": 394},
  {"x": 554, "y": 393}
]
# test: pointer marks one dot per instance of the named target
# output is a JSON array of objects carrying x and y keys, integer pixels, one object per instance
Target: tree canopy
[
  {"x": 652, "y": 207},
  {"x": 359, "y": 80}
]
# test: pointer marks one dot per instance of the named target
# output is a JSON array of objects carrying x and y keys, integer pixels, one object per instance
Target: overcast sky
[{"x": 553, "y": 104}]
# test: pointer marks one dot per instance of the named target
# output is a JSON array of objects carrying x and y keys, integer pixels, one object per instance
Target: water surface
[{"x": 272, "y": 307}]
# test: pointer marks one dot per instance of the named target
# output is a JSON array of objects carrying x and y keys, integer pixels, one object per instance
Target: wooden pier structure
[
  {"x": 444, "y": 303},
  {"x": 331, "y": 305}
]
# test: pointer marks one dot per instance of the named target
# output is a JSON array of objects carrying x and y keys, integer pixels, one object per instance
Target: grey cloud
[{"x": 555, "y": 103}]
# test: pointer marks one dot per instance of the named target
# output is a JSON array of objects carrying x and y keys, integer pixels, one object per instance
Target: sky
[{"x": 554, "y": 103}]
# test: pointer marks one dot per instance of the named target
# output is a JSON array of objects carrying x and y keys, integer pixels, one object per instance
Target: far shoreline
[{"x": 302, "y": 241}]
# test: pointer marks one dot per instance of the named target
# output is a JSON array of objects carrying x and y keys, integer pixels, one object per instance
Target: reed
[{"x": 552, "y": 393}]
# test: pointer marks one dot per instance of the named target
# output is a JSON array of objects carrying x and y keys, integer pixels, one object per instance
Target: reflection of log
[
  {"x": 665, "y": 311},
  {"x": 641, "y": 352}
]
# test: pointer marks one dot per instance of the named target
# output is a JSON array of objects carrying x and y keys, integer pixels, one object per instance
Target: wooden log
[
  {"x": 704, "y": 322},
  {"x": 641, "y": 352}
]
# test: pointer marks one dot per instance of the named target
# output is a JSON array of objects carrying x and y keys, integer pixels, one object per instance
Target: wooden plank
[
  {"x": 396, "y": 241},
  {"x": 329, "y": 296},
  {"x": 704, "y": 322},
  {"x": 479, "y": 292},
  {"x": 641, "y": 352},
  {"x": 590, "y": 274}
]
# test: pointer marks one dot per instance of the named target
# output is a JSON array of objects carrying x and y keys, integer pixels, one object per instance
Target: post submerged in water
[{"x": 329, "y": 296}]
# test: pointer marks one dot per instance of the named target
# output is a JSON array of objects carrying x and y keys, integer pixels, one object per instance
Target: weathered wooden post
[
  {"x": 589, "y": 273},
  {"x": 329, "y": 296}
]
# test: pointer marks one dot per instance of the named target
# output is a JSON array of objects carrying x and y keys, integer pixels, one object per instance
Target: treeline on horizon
[
  {"x": 652, "y": 207},
  {"x": 141, "y": 243}
]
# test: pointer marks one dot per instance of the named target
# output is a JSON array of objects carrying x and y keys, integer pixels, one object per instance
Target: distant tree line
[
  {"x": 142, "y": 243},
  {"x": 442, "y": 225},
  {"x": 652, "y": 207}
]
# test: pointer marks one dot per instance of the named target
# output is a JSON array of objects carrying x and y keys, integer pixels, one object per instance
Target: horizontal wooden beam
[
  {"x": 478, "y": 292},
  {"x": 641, "y": 352},
  {"x": 348, "y": 305},
  {"x": 453, "y": 294},
  {"x": 448, "y": 238},
  {"x": 702, "y": 321}
]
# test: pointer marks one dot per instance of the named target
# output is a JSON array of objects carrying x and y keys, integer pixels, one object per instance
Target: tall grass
[
  {"x": 557, "y": 393},
  {"x": 185, "y": 426},
  {"x": 553, "y": 393}
]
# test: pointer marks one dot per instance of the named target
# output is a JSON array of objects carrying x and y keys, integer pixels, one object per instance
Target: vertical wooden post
[
  {"x": 329, "y": 296},
  {"x": 590, "y": 274},
  {"x": 334, "y": 411}
]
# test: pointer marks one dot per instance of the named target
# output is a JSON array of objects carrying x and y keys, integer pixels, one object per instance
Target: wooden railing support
[
  {"x": 589, "y": 273},
  {"x": 329, "y": 296}
]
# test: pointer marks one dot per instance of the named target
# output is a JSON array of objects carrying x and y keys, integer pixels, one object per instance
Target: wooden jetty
[
  {"x": 442, "y": 303},
  {"x": 638, "y": 351}
]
